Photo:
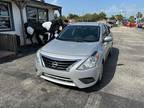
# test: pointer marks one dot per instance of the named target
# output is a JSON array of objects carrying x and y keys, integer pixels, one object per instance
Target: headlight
[{"x": 90, "y": 62}]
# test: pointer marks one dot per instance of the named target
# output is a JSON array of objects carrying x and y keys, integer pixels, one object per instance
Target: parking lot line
[{"x": 93, "y": 101}]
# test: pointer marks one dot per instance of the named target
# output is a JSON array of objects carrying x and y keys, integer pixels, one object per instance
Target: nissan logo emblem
[{"x": 54, "y": 64}]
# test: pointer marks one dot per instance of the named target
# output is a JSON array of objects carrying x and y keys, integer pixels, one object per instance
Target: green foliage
[
  {"x": 118, "y": 17},
  {"x": 72, "y": 16},
  {"x": 102, "y": 16},
  {"x": 88, "y": 17},
  {"x": 63, "y": 18},
  {"x": 112, "y": 17},
  {"x": 131, "y": 19}
]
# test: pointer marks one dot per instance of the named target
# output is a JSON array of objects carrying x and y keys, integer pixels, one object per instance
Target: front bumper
[{"x": 70, "y": 78}]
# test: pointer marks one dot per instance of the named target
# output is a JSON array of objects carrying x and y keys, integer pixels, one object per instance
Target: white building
[{"x": 34, "y": 10}]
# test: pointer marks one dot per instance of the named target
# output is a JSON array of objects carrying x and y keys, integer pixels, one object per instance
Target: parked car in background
[
  {"x": 130, "y": 24},
  {"x": 111, "y": 23},
  {"x": 140, "y": 25},
  {"x": 143, "y": 26},
  {"x": 125, "y": 22},
  {"x": 77, "y": 56}
]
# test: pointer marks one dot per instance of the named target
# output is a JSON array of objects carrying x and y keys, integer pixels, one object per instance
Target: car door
[
  {"x": 109, "y": 44},
  {"x": 104, "y": 44}
]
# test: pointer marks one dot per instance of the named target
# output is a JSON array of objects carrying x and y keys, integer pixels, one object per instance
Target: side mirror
[{"x": 108, "y": 39}]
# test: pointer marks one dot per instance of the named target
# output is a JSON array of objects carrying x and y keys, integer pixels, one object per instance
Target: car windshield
[{"x": 80, "y": 34}]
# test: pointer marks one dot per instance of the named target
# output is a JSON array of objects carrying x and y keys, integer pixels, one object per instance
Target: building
[{"x": 11, "y": 19}]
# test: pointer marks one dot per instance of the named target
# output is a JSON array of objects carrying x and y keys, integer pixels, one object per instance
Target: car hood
[{"x": 70, "y": 48}]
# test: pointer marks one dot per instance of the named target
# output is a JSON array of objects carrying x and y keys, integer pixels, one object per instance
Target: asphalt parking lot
[{"x": 122, "y": 85}]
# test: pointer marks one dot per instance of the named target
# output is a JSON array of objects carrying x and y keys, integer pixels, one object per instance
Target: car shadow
[
  {"x": 23, "y": 51},
  {"x": 109, "y": 71}
]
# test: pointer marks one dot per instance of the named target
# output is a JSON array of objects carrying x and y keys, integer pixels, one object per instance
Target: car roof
[{"x": 87, "y": 24}]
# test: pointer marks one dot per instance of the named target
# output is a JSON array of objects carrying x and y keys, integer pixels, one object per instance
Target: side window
[
  {"x": 107, "y": 30},
  {"x": 104, "y": 31},
  {"x": 5, "y": 16},
  {"x": 35, "y": 14}
]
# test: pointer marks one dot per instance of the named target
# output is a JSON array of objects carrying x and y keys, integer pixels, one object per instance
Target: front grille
[
  {"x": 56, "y": 64},
  {"x": 58, "y": 77}
]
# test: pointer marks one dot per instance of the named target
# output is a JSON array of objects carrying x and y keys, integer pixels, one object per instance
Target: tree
[
  {"x": 63, "y": 18},
  {"x": 95, "y": 17},
  {"x": 102, "y": 16},
  {"x": 89, "y": 17},
  {"x": 131, "y": 19},
  {"x": 112, "y": 17},
  {"x": 21, "y": 4},
  {"x": 72, "y": 16},
  {"x": 119, "y": 17}
]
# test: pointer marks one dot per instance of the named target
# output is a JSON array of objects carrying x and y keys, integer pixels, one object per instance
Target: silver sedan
[{"x": 76, "y": 57}]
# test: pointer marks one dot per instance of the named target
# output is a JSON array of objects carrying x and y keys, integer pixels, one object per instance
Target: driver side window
[
  {"x": 104, "y": 31},
  {"x": 107, "y": 30}
]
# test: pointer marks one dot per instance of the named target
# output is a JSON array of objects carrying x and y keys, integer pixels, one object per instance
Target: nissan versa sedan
[{"x": 76, "y": 57}]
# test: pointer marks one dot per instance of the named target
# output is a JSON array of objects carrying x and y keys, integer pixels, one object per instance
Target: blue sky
[{"x": 80, "y": 7}]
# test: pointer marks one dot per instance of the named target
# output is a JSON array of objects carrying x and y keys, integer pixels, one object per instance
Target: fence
[{"x": 8, "y": 42}]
